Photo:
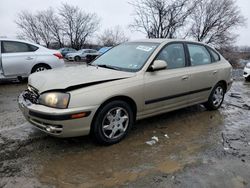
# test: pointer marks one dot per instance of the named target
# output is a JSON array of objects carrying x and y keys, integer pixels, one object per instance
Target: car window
[
  {"x": 216, "y": 56},
  {"x": 32, "y": 48},
  {"x": 198, "y": 55},
  {"x": 91, "y": 51},
  {"x": 174, "y": 55},
  {"x": 15, "y": 47}
]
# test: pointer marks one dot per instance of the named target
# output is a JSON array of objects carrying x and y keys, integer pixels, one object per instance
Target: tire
[
  {"x": 216, "y": 97},
  {"x": 77, "y": 58},
  {"x": 248, "y": 79},
  {"x": 39, "y": 68},
  {"x": 112, "y": 122}
]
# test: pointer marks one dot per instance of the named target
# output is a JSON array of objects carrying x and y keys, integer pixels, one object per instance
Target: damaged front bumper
[{"x": 57, "y": 122}]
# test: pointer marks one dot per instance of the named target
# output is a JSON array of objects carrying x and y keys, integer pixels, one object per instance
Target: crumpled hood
[{"x": 74, "y": 77}]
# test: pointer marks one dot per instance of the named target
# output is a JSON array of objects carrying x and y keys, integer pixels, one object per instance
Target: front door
[{"x": 167, "y": 89}]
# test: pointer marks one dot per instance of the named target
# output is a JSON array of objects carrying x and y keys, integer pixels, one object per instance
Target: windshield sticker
[{"x": 144, "y": 48}]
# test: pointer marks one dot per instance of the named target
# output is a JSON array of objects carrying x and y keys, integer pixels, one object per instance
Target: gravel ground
[{"x": 196, "y": 148}]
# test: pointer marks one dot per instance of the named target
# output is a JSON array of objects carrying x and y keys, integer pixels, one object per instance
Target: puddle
[{"x": 132, "y": 159}]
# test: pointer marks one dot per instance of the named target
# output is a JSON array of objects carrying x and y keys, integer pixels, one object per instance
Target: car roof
[
  {"x": 18, "y": 40},
  {"x": 165, "y": 40}
]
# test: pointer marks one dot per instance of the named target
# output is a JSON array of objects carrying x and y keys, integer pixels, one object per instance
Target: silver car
[
  {"x": 18, "y": 59},
  {"x": 83, "y": 54},
  {"x": 132, "y": 81}
]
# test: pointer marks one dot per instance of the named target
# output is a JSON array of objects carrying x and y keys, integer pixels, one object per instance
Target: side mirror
[{"x": 158, "y": 65}]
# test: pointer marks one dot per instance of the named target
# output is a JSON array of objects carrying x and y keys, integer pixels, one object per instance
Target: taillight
[{"x": 59, "y": 55}]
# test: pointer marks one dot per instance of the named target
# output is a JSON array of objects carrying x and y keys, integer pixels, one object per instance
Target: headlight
[
  {"x": 248, "y": 65},
  {"x": 55, "y": 99}
]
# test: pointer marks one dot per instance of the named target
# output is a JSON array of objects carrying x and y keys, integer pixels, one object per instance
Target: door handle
[
  {"x": 215, "y": 72},
  {"x": 29, "y": 58},
  {"x": 185, "y": 77}
]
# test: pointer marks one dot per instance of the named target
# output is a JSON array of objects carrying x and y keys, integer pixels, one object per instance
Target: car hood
[{"x": 70, "y": 78}]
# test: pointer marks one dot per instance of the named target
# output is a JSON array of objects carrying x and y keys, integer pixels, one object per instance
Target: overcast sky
[{"x": 111, "y": 12}]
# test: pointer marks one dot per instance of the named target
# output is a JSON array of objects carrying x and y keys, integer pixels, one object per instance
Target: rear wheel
[
  {"x": 113, "y": 122},
  {"x": 39, "y": 68},
  {"x": 248, "y": 79},
  {"x": 216, "y": 97}
]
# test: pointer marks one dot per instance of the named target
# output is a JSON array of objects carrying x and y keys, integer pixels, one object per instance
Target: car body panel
[
  {"x": 18, "y": 63},
  {"x": 160, "y": 87},
  {"x": 79, "y": 75},
  {"x": 152, "y": 92}
]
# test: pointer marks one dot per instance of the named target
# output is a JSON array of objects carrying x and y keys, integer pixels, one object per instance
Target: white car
[
  {"x": 18, "y": 59},
  {"x": 247, "y": 72},
  {"x": 83, "y": 54}
]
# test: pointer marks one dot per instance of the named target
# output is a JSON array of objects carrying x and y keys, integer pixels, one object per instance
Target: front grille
[{"x": 31, "y": 94}]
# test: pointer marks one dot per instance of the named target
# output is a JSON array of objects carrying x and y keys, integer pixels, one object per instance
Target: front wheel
[
  {"x": 113, "y": 122},
  {"x": 77, "y": 58},
  {"x": 216, "y": 97}
]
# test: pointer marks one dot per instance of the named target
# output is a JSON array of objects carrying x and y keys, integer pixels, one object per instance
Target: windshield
[{"x": 127, "y": 57}]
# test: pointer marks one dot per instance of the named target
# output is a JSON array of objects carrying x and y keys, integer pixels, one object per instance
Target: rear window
[{"x": 215, "y": 55}]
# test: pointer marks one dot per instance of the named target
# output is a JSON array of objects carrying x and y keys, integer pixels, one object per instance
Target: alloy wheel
[
  {"x": 39, "y": 69},
  {"x": 115, "y": 123},
  {"x": 218, "y": 96}
]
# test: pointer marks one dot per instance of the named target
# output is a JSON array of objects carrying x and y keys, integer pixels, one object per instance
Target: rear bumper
[{"x": 57, "y": 122}]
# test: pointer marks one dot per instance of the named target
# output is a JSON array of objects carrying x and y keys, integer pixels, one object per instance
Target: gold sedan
[{"x": 131, "y": 81}]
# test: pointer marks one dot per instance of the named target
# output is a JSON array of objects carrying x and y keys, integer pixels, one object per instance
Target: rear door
[
  {"x": 167, "y": 89},
  {"x": 17, "y": 57},
  {"x": 203, "y": 72}
]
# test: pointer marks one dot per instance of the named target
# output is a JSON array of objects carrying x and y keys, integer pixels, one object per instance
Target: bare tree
[
  {"x": 55, "y": 26},
  {"x": 43, "y": 27},
  {"x": 78, "y": 25},
  {"x": 213, "y": 22},
  {"x": 37, "y": 27},
  {"x": 112, "y": 37},
  {"x": 27, "y": 22},
  {"x": 161, "y": 18}
]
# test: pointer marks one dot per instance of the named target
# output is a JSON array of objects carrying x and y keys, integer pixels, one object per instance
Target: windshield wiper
[{"x": 108, "y": 67}]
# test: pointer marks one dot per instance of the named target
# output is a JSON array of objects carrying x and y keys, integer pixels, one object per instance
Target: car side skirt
[{"x": 176, "y": 96}]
